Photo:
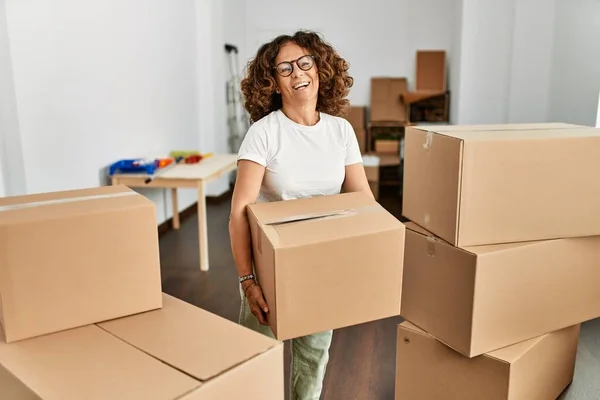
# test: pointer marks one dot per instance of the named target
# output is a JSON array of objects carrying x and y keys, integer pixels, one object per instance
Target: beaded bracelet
[{"x": 246, "y": 277}]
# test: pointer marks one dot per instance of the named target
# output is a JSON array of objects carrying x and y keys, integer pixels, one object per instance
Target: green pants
[{"x": 310, "y": 355}]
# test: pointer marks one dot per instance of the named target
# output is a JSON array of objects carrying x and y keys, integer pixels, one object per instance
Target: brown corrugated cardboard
[
  {"x": 178, "y": 352},
  {"x": 86, "y": 363},
  {"x": 479, "y": 299},
  {"x": 231, "y": 361},
  {"x": 431, "y": 71},
  {"x": 477, "y": 187},
  {"x": 386, "y": 102},
  {"x": 327, "y": 262},
  {"x": 361, "y": 136},
  {"x": 387, "y": 146},
  {"x": 537, "y": 369},
  {"x": 372, "y": 173},
  {"x": 356, "y": 117},
  {"x": 73, "y": 258}
]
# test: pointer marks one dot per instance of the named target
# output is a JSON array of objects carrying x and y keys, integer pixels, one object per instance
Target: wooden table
[{"x": 186, "y": 176}]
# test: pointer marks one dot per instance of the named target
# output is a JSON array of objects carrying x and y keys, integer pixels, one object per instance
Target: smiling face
[{"x": 298, "y": 78}]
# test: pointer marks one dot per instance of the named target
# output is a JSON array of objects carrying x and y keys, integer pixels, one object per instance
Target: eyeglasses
[{"x": 286, "y": 68}]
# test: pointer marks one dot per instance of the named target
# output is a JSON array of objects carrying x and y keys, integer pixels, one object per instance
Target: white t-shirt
[{"x": 300, "y": 161}]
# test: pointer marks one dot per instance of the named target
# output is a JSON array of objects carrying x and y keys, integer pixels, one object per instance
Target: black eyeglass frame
[{"x": 291, "y": 64}]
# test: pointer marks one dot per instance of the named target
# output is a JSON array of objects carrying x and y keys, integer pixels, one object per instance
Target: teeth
[{"x": 300, "y": 85}]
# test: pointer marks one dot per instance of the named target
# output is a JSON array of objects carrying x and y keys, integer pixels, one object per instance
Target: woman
[{"x": 298, "y": 146}]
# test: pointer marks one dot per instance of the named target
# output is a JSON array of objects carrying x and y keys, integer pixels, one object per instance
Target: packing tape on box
[
  {"x": 324, "y": 215},
  {"x": 428, "y": 140},
  {"x": 431, "y": 246},
  {"x": 64, "y": 201},
  {"x": 319, "y": 216}
]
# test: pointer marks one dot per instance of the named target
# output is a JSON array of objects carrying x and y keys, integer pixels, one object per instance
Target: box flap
[
  {"x": 419, "y": 229},
  {"x": 88, "y": 363},
  {"x": 269, "y": 212},
  {"x": 476, "y": 250},
  {"x": 508, "y": 354},
  {"x": 412, "y": 327},
  {"x": 25, "y": 208},
  {"x": 321, "y": 219},
  {"x": 190, "y": 339},
  {"x": 512, "y": 353}
]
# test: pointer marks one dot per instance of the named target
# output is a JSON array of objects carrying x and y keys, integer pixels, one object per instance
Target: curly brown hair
[{"x": 258, "y": 87}]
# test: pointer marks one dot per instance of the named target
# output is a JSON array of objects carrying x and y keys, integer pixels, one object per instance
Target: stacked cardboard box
[
  {"x": 501, "y": 259},
  {"x": 83, "y": 316},
  {"x": 356, "y": 117},
  {"x": 430, "y": 99},
  {"x": 327, "y": 262},
  {"x": 388, "y": 115}
]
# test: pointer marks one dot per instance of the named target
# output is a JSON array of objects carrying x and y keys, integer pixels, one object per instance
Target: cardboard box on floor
[
  {"x": 537, "y": 369},
  {"x": 178, "y": 352},
  {"x": 503, "y": 183},
  {"x": 327, "y": 262},
  {"x": 73, "y": 258},
  {"x": 482, "y": 298}
]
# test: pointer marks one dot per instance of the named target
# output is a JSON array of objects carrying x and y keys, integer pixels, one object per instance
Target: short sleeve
[
  {"x": 353, "y": 155},
  {"x": 254, "y": 146}
]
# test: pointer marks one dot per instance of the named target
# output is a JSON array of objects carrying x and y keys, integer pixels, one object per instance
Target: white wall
[
  {"x": 485, "y": 60},
  {"x": 357, "y": 29},
  {"x": 575, "y": 81},
  {"x": 234, "y": 30},
  {"x": 2, "y": 165},
  {"x": 455, "y": 64},
  {"x": 598, "y": 114},
  {"x": 505, "y": 61},
  {"x": 12, "y": 152},
  {"x": 102, "y": 81},
  {"x": 531, "y": 60},
  {"x": 211, "y": 109}
]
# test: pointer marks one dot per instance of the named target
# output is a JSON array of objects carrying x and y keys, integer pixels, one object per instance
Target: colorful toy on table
[
  {"x": 139, "y": 165},
  {"x": 189, "y": 157}
]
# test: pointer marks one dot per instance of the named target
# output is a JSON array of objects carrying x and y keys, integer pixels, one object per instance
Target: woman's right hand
[{"x": 257, "y": 302}]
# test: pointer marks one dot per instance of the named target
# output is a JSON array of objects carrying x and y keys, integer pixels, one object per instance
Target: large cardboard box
[
  {"x": 479, "y": 299},
  {"x": 492, "y": 185},
  {"x": 386, "y": 101},
  {"x": 537, "y": 369},
  {"x": 178, "y": 352},
  {"x": 73, "y": 258},
  {"x": 327, "y": 262}
]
